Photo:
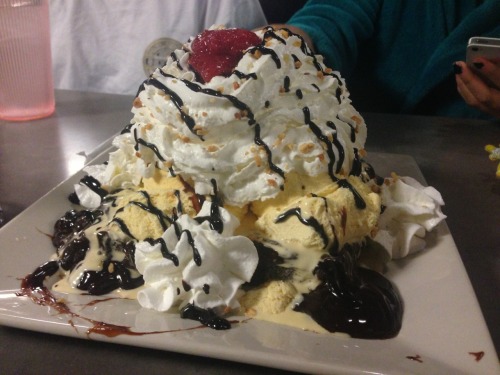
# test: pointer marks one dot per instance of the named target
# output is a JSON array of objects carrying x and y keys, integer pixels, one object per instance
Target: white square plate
[{"x": 442, "y": 326}]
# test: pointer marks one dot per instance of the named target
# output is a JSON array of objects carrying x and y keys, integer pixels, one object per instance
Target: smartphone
[{"x": 478, "y": 46}]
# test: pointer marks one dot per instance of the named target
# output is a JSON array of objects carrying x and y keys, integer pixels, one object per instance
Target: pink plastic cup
[{"x": 26, "y": 85}]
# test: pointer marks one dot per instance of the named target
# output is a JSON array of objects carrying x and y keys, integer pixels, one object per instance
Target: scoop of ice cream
[
  {"x": 282, "y": 110},
  {"x": 193, "y": 263},
  {"x": 319, "y": 215},
  {"x": 410, "y": 210},
  {"x": 274, "y": 298}
]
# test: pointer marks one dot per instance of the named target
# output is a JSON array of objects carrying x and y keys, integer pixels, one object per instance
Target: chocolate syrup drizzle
[
  {"x": 259, "y": 142},
  {"x": 338, "y": 146},
  {"x": 242, "y": 75},
  {"x": 176, "y": 99},
  {"x": 266, "y": 51},
  {"x": 176, "y": 60},
  {"x": 94, "y": 185},
  {"x": 164, "y": 250},
  {"x": 270, "y": 33},
  {"x": 215, "y": 219},
  {"x": 310, "y": 222},
  {"x": 149, "y": 145},
  {"x": 323, "y": 138}
]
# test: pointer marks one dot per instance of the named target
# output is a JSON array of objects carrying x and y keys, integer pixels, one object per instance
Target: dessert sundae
[{"x": 240, "y": 188}]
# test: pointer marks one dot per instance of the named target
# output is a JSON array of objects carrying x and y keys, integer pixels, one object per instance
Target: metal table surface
[{"x": 35, "y": 156}]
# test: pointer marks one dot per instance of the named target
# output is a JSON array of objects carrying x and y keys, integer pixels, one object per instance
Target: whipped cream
[
  {"x": 281, "y": 110},
  {"x": 410, "y": 211},
  {"x": 196, "y": 265}
]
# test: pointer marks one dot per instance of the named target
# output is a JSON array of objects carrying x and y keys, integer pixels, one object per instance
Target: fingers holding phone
[
  {"x": 483, "y": 57},
  {"x": 475, "y": 90},
  {"x": 478, "y": 80}
]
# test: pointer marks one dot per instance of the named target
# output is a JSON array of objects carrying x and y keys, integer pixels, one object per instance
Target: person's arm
[
  {"x": 481, "y": 91},
  {"x": 337, "y": 29}
]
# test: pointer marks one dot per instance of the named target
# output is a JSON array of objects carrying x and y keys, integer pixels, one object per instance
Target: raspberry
[{"x": 217, "y": 52}]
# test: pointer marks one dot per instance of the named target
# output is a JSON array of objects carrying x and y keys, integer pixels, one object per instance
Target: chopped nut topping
[
  {"x": 204, "y": 114},
  {"x": 257, "y": 54},
  {"x": 212, "y": 148},
  {"x": 137, "y": 103},
  {"x": 297, "y": 43},
  {"x": 272, "y": 182},
  {"x": 305, "y": 148},
  {"x": 199, "y": 130},
  {"x": 298, "y": 64},
  {"x": 258, "y": 160},
  {"x": 320, "y": 74},
  {"x": 138, "y": 154},
  {"x": 148, "y": 126},
  {"x": 357, "y": 120},
  {"x": 184, "y": 138},
  {"x": 236, "y": 85},
  {"x": 111, "y": 267},
  {"x": 279, "y": 139}
]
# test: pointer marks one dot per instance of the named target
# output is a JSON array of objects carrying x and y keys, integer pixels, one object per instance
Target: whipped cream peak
[{"x": 280, "y": 111}]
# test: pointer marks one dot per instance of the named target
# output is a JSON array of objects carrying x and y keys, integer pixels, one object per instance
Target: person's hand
[{"x": 480, "y": 86}]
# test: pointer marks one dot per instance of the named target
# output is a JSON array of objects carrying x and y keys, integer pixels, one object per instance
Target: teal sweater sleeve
[
  {"x": 398, "y": 55},
  {"x": 338, "y": 28}
]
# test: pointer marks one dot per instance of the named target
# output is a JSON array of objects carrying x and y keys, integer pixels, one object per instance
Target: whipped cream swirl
[
  {"x": 410, "y": 211},
  {"x": 193, "y": 263}
]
